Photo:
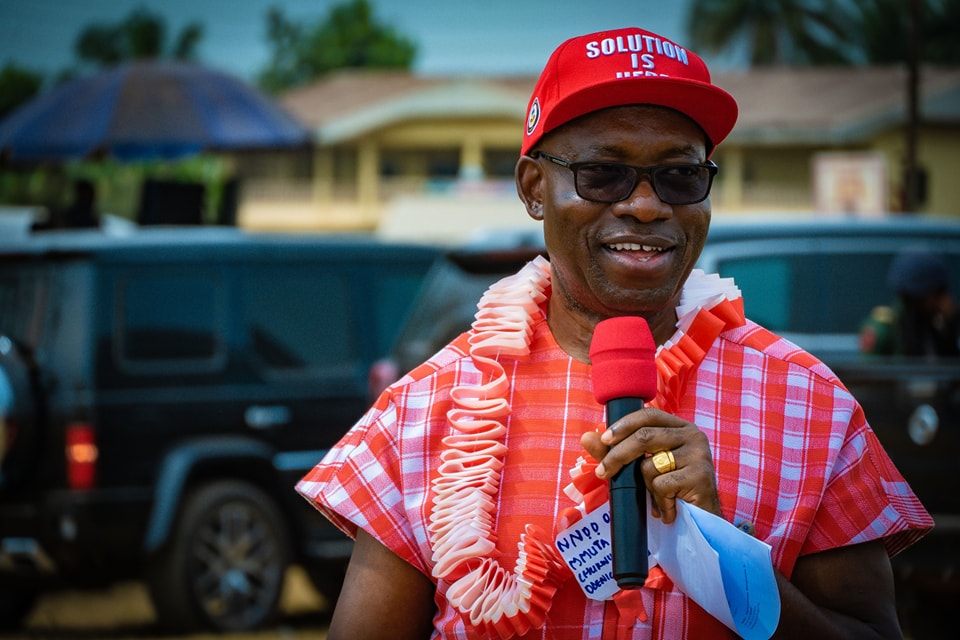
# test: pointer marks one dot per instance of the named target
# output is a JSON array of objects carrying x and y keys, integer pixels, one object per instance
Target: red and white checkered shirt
[{"x": 793, "y": 453}]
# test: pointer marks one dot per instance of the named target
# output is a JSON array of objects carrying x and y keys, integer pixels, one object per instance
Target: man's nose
[{"x": 643, "y": 203}]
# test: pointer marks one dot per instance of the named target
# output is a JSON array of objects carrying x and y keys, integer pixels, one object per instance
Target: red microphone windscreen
[{"x": 622, "y": 352}]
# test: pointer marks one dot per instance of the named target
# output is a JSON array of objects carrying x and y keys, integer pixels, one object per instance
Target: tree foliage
[
  {"x": 17, "y": 85},
  {"x": 884, "y": 34},
  {"x": 783, "y": 32},
  {"x": 350, "y": 36},
  {"x": 824, "y": 32},
  {"x": 142, "y": 34}
]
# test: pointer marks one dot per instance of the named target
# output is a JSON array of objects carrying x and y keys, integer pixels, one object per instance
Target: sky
[{"x": 466, "y": 37}]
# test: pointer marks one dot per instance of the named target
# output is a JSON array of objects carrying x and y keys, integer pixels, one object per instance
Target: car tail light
[
  {"x": 382, "y": 374},
  {"x": 82, "y": 454}
]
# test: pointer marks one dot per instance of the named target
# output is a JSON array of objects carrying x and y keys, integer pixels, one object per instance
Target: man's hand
[{"x": 649, "y": 431}]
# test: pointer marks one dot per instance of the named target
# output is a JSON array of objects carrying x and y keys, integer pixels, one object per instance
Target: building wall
[
  {"x": 764, "y": 179},
  {"x": 352, "y": 184},
  {"x": 456, "y": 164},
  {"x": 937, "y": 154}
]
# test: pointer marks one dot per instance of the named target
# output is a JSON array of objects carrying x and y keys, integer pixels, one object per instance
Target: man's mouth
[{"x": 651, "y": 251}]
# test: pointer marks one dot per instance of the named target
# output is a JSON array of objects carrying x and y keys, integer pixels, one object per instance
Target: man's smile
[{"x": 633, "y": 247}]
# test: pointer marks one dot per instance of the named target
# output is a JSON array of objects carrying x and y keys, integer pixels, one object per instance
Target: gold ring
[{"x": 664, "y": 462}]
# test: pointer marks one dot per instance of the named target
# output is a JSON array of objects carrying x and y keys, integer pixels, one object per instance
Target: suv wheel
[{"x": 225, "y": 565}]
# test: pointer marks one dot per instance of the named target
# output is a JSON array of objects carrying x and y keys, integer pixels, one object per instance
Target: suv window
[
  {"x": 168, "y": 337},
  {"x": 445, "y": 304},
  {"x": 21, "y": 310},
  {"x": 395, "y": 290},
  {"x": 816, "y": 284},
  {"x": 810, "y": 293},
  {"x": 312, "y": 332}
]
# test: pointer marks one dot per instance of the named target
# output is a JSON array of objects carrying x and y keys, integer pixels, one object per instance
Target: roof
[
  {"x": 349, "y": 104},
  {"x": 777, "y": 105},
  {"x": 841, "y": 104}
]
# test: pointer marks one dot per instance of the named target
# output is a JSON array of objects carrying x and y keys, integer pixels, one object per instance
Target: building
[
  {"x": 834, "y": 140},
  {"x": 432, "y": 157}
]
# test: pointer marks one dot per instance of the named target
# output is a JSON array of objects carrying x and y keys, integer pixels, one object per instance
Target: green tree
[
  {"x": 349, "y": 37},
  {"x": 17, "y": 85},
  {"x": 141, "y": 34},
  {"x": 908, "y": 32},
  {"x": 883, "y": 34},
  {"x": 784, "y": 32},
  {"x": 826, "y": 32}
]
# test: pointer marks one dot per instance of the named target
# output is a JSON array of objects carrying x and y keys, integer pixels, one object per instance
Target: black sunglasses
[{"x": 676, "y": 184}]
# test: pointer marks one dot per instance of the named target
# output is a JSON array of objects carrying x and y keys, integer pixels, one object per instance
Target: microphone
[{"x": 624, "y": 377}]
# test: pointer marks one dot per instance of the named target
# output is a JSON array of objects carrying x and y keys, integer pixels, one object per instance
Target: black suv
[
  {"x": 812, "y": 281},
  {"x": 161, "y": 392}
]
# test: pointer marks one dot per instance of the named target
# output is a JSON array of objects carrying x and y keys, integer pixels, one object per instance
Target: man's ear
[{"x": 530, "y": 186}]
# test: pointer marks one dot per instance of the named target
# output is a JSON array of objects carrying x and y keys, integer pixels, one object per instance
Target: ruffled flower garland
[{"x": 462, "y": 530}]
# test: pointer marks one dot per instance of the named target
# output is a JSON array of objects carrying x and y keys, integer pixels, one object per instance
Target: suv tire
[{"x": 225, "y": 565}]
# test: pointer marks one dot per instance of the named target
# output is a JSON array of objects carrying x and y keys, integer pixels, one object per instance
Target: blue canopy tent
[{"x": 147, "y": 109}]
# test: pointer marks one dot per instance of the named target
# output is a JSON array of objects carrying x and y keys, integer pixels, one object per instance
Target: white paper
[
  {"x": 585, "y": 547},
  {"x": 723, "y": 569}
]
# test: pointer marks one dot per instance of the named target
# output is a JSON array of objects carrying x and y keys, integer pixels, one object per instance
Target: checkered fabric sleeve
[
  {"x": 794, "y": 453},
  {"x": 377, "y": 476},
  {"x": 849, "y": 513},
  {"x": 355, "y": 485}
]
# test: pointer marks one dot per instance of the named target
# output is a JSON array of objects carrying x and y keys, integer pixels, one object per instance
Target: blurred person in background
[
  {"x": 923, "y": 320},
  {"x": 81, "y": 213}
]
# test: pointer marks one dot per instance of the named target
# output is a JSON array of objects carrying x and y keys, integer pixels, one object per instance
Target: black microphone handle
[{"x": 628, "y": 511}]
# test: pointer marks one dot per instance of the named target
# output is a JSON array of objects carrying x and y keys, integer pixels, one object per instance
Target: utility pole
[{"x": 911, "y": 187}]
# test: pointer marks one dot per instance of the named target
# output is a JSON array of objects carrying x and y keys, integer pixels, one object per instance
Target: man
[
  {"x": 924, "y": 320},
  {"x": 456, "y": 483}
]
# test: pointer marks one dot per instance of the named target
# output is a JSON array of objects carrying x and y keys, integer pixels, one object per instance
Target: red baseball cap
[{"x": 623, "y": 67}]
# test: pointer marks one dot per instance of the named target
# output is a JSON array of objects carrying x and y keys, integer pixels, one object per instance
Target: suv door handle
[{"x": 265, "y": 417}]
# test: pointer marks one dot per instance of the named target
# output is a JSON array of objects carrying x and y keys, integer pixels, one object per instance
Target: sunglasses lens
[
  {"x": 682, "y": 184},
  {"x": 612, "y": 182},
  {"x": 605, "y": 182}
]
